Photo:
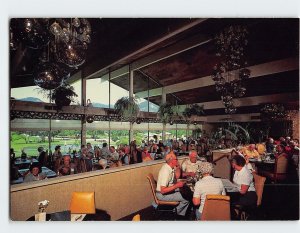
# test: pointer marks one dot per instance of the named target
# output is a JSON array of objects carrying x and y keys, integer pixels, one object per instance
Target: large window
[
  {"x": 31, "y": 94},
  {"x": 28, "y": 141},
  {"x": 97, "y": 92},
  {"x": 69, "y": 140},
  {"x": 119, "y": 137},
  {"x": 97, "y": 137}
]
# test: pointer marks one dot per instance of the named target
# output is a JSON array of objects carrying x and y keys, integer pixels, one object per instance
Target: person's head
[
  {"x": 282, "y": 139},
  {"x": 271, "y": 140},
  {"x": 193, "y": 156},
  {"x": 84, "y": 151},
  {"x": 127, "y": 149},
  {"x": 103, "y": 163},
  {"x": 171, "y": 160},
  {"x": 82, "y": 146},
  {"x": 112, "y": 149},
  {"x": 104, "y": 144},
  {"x": 57, "y": 148},
  {"x": 280, "y": 148},
  {"x": 206, "y": 168},
  {"x": 35, "y": 169},
  {"x": 122, "y": 151},
  {"x": 12, "y": 151},
  {"x": 251, "y": 147},
  {"x": 67, "y": 159},
  {"x": 238, "y": 162},
  {"x": 88, "y": 145},
  {"x": 40, "y": 149}
]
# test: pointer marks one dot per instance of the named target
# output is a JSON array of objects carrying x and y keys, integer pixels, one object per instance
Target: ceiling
[{"x": 179, "y": 55}]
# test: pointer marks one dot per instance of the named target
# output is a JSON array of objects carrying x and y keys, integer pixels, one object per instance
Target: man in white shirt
[
  {"x": 191, "y": 165},
  {"x": 243, "y": 179},
  {"x": 167, "y": 188},
  {"x": 207, "y": 185},
  {"x": 239, "y": 151},
  {"x": 114, "y": 155}
]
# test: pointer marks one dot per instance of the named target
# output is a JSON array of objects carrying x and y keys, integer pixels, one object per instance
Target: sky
[{"x": 96, "y": 91}]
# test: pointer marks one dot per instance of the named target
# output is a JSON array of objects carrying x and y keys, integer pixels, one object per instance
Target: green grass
[{"x": 31, "y": 147}]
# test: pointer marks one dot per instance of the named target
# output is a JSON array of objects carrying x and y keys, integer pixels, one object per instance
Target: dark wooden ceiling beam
[
  {"x": 254, "y": 100},
  {"x": 94, "y": 69},
  {"x": 256, "y": 72}
]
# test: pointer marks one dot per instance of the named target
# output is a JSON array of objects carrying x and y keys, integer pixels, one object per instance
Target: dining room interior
[{"x": 99, "y": 106}]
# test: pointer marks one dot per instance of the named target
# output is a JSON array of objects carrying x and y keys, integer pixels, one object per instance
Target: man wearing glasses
[{"x": 167, "y": 187}]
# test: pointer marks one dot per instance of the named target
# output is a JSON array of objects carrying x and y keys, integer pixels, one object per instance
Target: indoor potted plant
[
  {"x": 127, "y": 108},
  {"x": 63, "y": 95},
  {"x": 193, "y": 110},
  {"x": 167, "y": 112}
]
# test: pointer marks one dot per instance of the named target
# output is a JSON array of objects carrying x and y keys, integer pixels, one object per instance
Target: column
[
  {"x": 163, "y": 101},
  {"x": 83, "y": 103},
  {"x": 131, "y": 96}
]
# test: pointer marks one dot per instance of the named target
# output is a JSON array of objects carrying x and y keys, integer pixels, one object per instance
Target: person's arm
[
  {"x": 244, "y": 189},
  {"x": 126, "y": 160},
  {"x": 165, "y": 190},
  {"x": 177, "y": 172},
  {"x": 196, "y": 201},
  {"x": 197, "y": 194}
]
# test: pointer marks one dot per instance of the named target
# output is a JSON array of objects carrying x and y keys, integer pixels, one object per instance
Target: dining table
[
  {"x": 25, "y": 163},
  {"x": 262, "y": 164},
  {"x": 66, "y": 215},
  {"x": 229, "y": 186}
]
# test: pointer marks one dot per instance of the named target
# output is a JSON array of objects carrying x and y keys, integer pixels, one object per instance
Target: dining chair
[
  {"x": 83, "y": 203},
  {"x": 280, "y": 171},
  {"x": 136, "y": 217},
  {"x": 216, "y": 207},
  {"x": 161, "y": 206}
]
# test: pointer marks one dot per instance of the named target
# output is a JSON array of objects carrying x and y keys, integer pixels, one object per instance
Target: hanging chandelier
[
  {"x": 230, "y": 73},
  {"x": 273, "y": 112},
  {"x": 64, "y": 43},
  {"x": 71, "y": 40}
]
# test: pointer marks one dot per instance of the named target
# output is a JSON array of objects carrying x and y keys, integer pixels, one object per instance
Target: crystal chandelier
[
  {"x": 230, "y": 73},
  {"x": 64, "y": 43},
  {"x": 71, "y": 40},
  {"x": 273, "y": 111}
]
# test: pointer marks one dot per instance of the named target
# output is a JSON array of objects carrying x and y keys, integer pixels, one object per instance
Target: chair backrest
[
  {"x": 136, "y": 217},
  {"x": 152, "y": 183},
  {"x": 216, "y": 207},
  {"x": 259, "y": 182},
  {"x": 261, "y": 148},
  {"x": 83, "y": 203},
  {"x": 281, "y": 164}
]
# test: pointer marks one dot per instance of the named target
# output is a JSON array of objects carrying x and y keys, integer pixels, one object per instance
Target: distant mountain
[
  {"x": 152, "y": 107},
  {"x": 143, "y": 105},
  {"x": 31, "y": 99},
  {"x": 100, "y": 105}
]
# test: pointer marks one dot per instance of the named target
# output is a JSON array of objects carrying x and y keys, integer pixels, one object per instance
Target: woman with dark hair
[
  {"x": 243, "y": 179},
  {"x": 35, "y": 173}
]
